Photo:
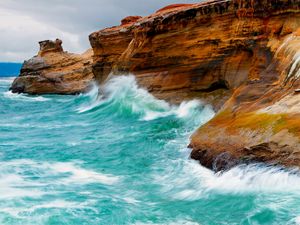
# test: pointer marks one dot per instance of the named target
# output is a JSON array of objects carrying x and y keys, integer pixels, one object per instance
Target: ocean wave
[
  {"x": 12, "y": 186},
  {"x": 123, "y": 96},
  {"x": 34, "y": 182},
  {"x": 82, "y": 176},
  {"x": 256, "y": 178},
  {"x": 7, "y": 80},
  {"x": 15, "y": 182},
  {"x": 24, "y": 97},
  {"x": 196, "y": 182},
  {"x": 296, "y": 221}
]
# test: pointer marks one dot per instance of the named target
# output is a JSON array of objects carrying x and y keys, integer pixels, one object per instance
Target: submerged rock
[{"x": 54, "y": 71}]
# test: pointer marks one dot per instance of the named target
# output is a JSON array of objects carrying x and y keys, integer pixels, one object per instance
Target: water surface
[{"x": 122, "y": 159}]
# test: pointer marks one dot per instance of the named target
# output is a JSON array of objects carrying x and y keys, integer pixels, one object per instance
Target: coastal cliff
[
  {"x": 241, "y": 56},
  {"x": 54, "y": 71}
]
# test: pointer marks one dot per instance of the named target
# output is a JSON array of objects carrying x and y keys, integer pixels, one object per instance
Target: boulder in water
[{"x": 54, "y": 71}]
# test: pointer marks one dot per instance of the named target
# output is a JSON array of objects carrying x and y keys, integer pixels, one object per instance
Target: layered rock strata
[
  {"x": 241, "y": 56},
  {"x": 54, "y": 71}
]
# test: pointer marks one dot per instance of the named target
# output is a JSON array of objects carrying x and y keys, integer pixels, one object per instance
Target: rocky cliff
[
  {"x": 241, "y": 56},
  {"x": 54, "y": 71}
]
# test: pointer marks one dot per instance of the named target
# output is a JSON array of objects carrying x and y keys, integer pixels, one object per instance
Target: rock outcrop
[
  {"x": 54, "y": 71},
  {"x": 261, "y": 121},
  {"x": 242, "y": 56}
]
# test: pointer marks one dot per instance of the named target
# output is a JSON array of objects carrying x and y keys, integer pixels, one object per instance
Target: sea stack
[{"x": 54, "y": 71}]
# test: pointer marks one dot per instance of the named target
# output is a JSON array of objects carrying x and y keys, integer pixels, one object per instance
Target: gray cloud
[{"x": 24, "y": 23}]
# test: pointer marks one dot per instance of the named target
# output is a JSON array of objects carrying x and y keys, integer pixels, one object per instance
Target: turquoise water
[{"x": 122, "y": 159}]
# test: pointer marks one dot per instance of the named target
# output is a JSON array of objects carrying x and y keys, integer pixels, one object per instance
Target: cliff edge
[{"x": 241, "y": 56}]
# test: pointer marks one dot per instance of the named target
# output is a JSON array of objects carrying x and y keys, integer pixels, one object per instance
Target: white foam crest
[
  {"x": 93, "y": 95},
  {"x": 15, "y": 183},
  {"x": 11, "y": 186},
  {"x": 197, "y": 182},
  {"x": 7, "y": 80},
  {"x": 195, "y": 111},
  {"x": 289, "y": 47},
  {"x": 131, "y": 200},
  {"x": 297, "y": 220},
  {"x": 123, "y": 92},
  {"x": 56, "y": 204},
  {"x": 80, "y": 175},
  {"x": 23, "y": 97},
  {"x": 186, "y": 109},
  {"x": 255, "y": 178},
  {"x": 295, "y": 70},
  {"x": 283, "y": 47}
]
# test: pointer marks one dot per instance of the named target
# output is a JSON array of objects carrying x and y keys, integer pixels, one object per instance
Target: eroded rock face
[
  {"x": 242, "y": 56},
  {"x": 54, "y": 71},
  {"x": 261, "y": 121}
]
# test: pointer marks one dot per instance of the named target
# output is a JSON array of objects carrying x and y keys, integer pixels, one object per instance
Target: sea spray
[
  {"x": 123, "y": 95},
  {"x": 284, "y": 49},
  {"x": 289, "y": 49},
  {"x": 294, "y": 71},
  {"x": 23, "y": 97},
  {"x": 240, "y": 180}
]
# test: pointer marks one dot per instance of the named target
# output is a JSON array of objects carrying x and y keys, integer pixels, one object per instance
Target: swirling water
[{"x": 122, "y": 159}]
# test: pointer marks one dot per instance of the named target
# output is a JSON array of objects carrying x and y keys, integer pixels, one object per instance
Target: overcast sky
[{"x": 25, "y": 22}]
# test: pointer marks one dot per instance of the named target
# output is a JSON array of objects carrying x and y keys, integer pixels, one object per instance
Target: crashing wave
[
  {"x": 123, "y": 95},
  {"x": 242, "y": 180},
  {"x": 24, "y": 97}
]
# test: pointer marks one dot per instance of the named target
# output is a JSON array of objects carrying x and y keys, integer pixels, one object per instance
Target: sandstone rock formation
[
  {"x": 54, "y": 71},
  {"x": 242, "y": 56}
]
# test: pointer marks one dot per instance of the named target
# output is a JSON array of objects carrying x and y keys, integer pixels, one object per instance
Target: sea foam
[
  {"x": 123, "y": 94},
  {"x": 196, "y": 182},
  {"x": 24, "y": 97}
]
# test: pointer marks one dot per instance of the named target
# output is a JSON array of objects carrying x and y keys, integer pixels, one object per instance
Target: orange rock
[
  {"x": 200, "y": 49},
  {"x": 172, "y": 7},
  {"x": 297, "y": 33},
  {"x": 130, "y": 20},
  {"x": 54, "y": 71}
]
